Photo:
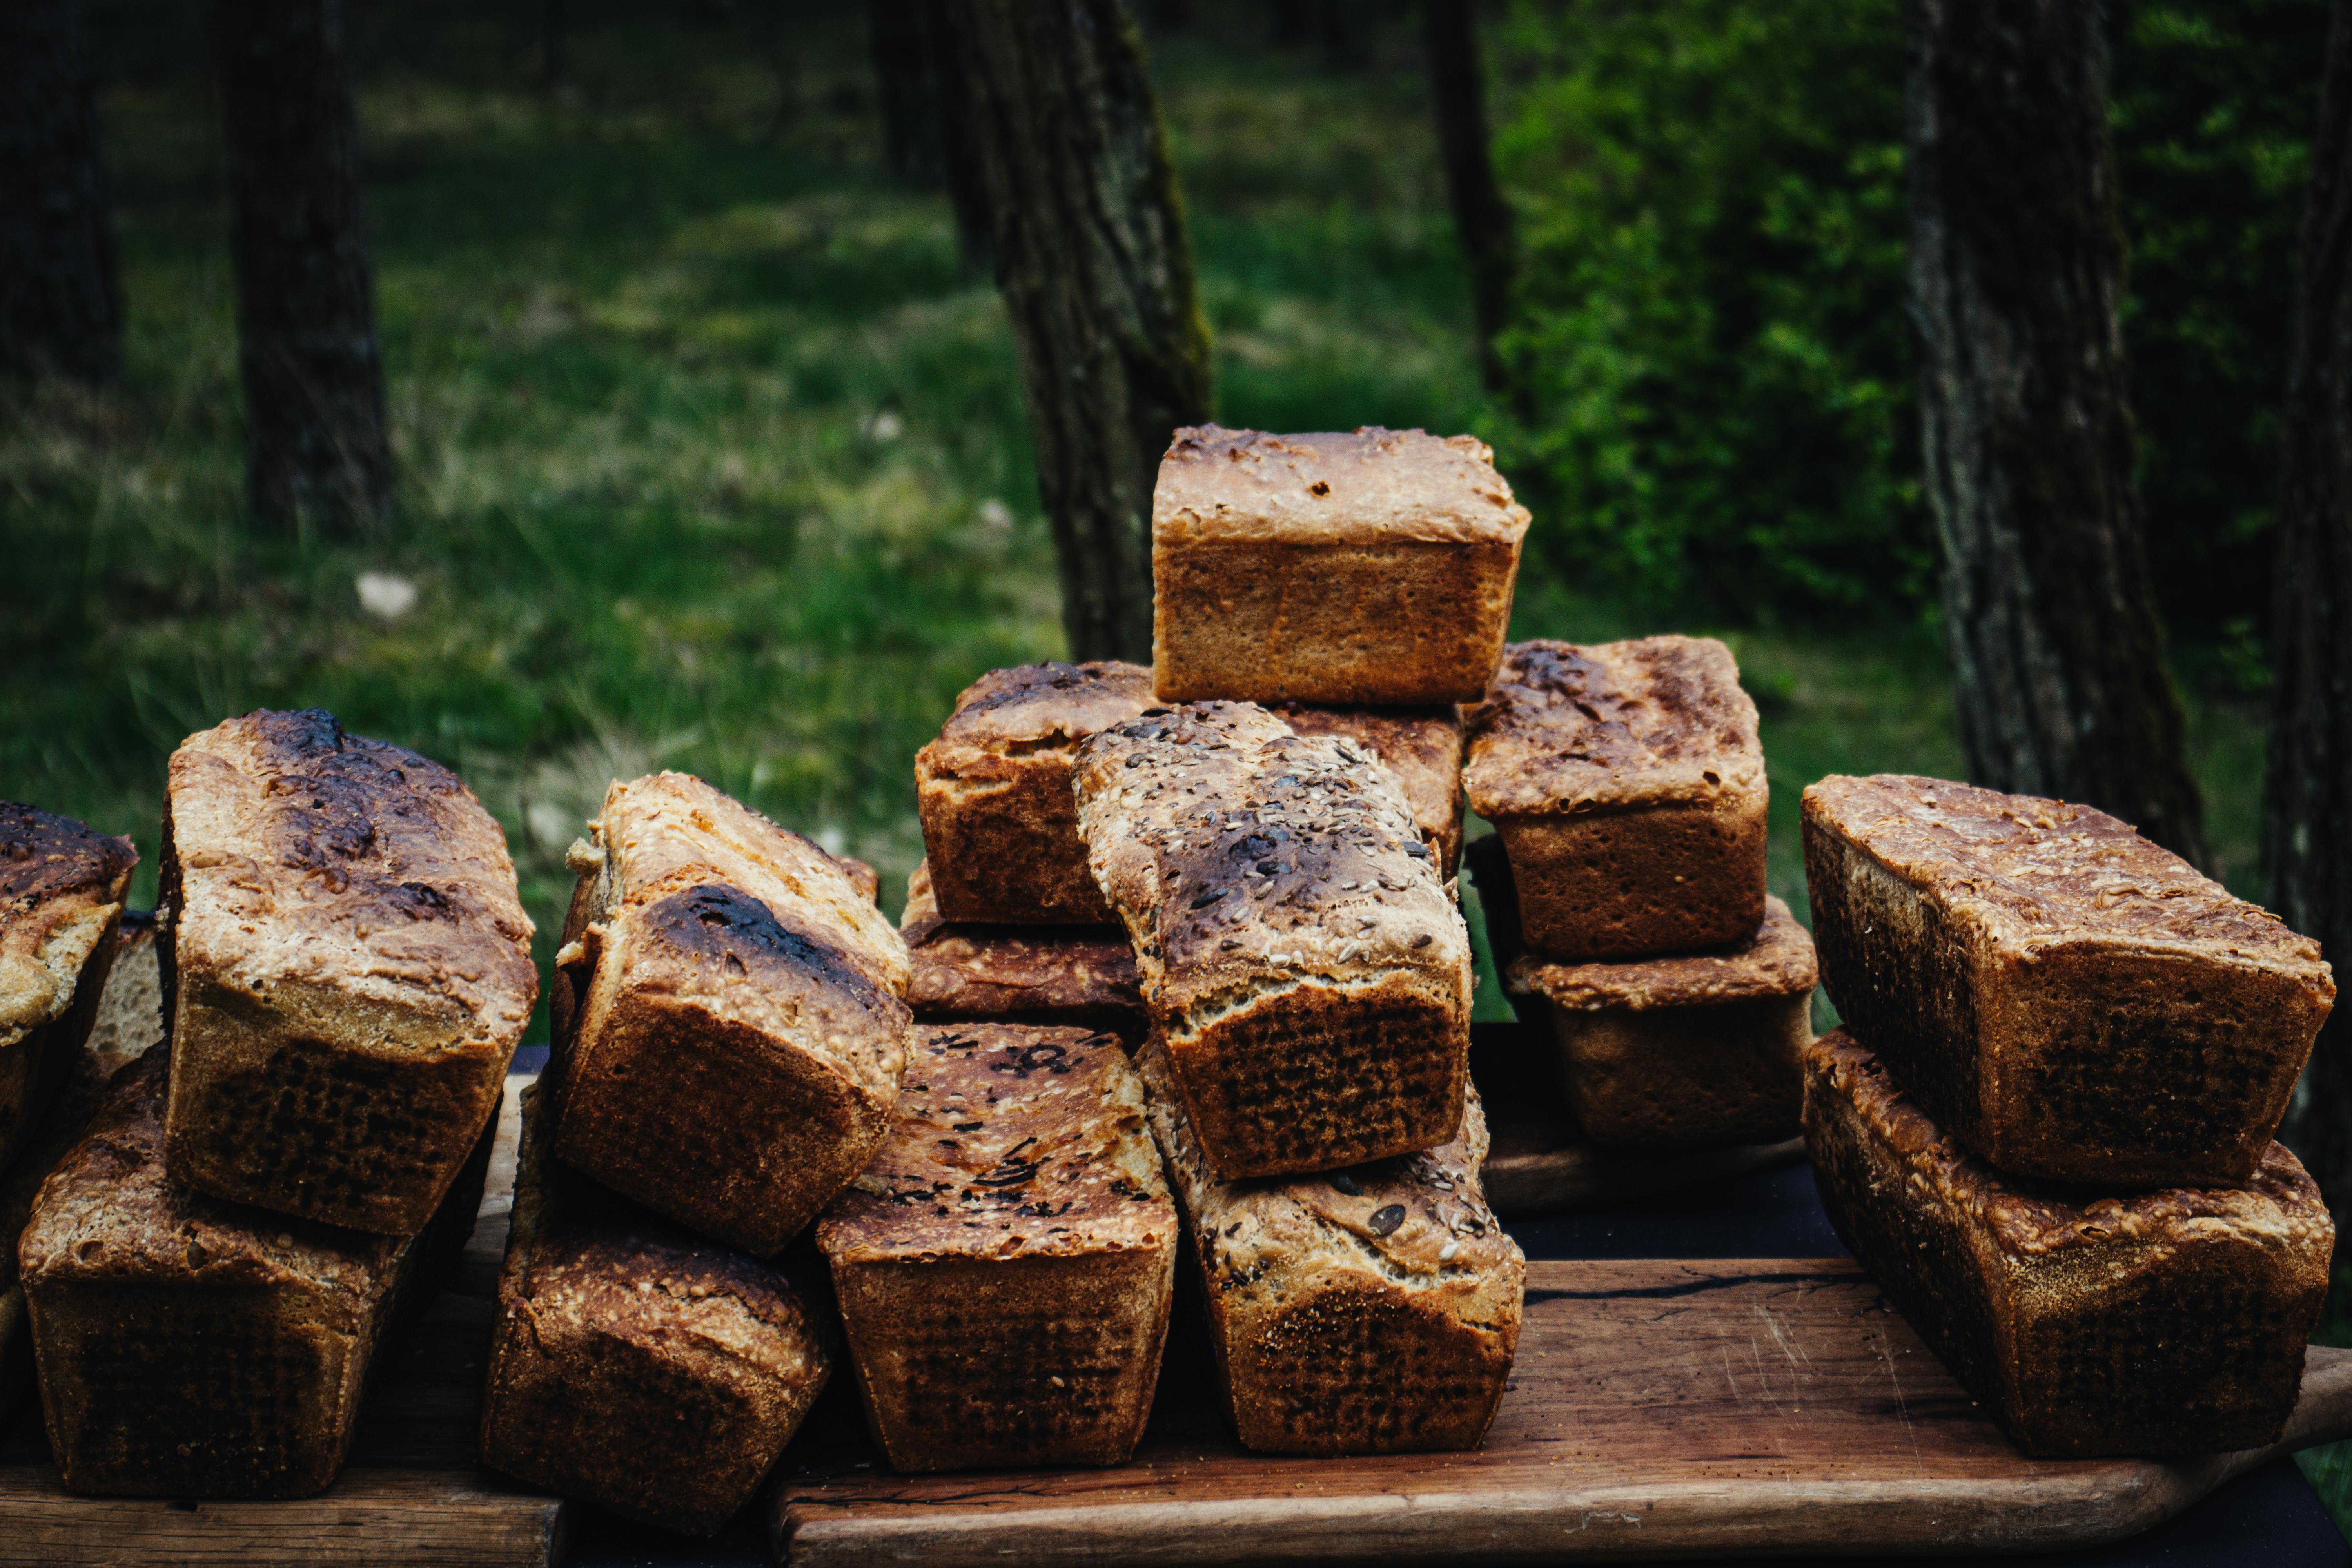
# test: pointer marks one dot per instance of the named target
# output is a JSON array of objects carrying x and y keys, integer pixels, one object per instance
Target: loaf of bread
[
  {"x": 1628, "y": 787},
  {"x": 1000, "y": 828},
  {"x": 1422, "y": 746},
  {"x": 1370, "y": 567},
  {"x": 61, "y": 887},
  {"x": 348, "y": 973},
  {"x": 2165, "y": 1322},
  {"x": 1304, "y": 968},
  {"x": 1080, "y": 976},
  {"x": 192, "y": 1348},
  {"x": 727, "y": 1017},
  {"x": 1005, "y": 1268},
  {"x": 635, "y": 1365},
  {"x": 1699, "y": 1048},
  {"x": 1367, "y": 1310},
  {"x": 2062, "y": 996}
]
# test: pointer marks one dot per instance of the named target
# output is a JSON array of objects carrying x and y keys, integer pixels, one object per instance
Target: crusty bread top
[
  {"x": 1415, "y": 1221},
  {"x": 2034, "y": 873},
  {"x": 1422, "y": 746},
  {"x": 1241, "y": 856},
  {"x": 1612, "y": 725},
  {"x": 60, "y": 882},
  {"x": 1367, "y": 486},
  {"x": 1019, "y": 707},
  {"x": 1011, "y": 1141},
  {"x": 2279, "y": 1205},
  {"x": 1058, "y": 965},
  {"x": 671, "y": 833},
  {"x": 1778, "y": 960},
  {"x": 309, "y": 856},
  {"x": 109, "y": 1213}
]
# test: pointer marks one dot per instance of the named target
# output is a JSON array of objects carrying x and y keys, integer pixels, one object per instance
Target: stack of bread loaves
[
  {"x": 233, "y": 1226},
  {"x": 1272, "y": 815},
  {"x": 2045, "y": 1126},
  {"x": 1624, "y": 889}
]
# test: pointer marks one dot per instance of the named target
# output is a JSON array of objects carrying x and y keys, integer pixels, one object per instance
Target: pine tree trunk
[
  {"x": 1097, "y": 278},
  {"x": 316, "y": 446},
  {"x": 60, "y": 302},
  {"x": 2017, "y": 264},
  {"x": 1482, "y": 218},
  {"x": 927, "y": 113},
  {"x": 2307, "y": 795}
]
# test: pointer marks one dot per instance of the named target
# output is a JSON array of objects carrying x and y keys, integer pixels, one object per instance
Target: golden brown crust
[
  {"x": 1303, "y": 964},
  {"x": 2093, "y": 1323},
  {"x": 1370, "y": 1310},
  {"x": 155, "y": 1308},
  {"x": 994, "y": 791},
  {"x": 1777, "y": 962},
  {"x": 1367, "y": 486},
  {"x": 731, "y": 1058},
  {"x": 346, "y": 938},
  {"x": 613, "y": 1323},
  {"x": 2066, "y": 999},
  {"x": 61, "y": 886},
  {"x": 1083, "y": 976},
  {"x": 1422, "y": 746},
  {"x": 1004, "y": 1268}
]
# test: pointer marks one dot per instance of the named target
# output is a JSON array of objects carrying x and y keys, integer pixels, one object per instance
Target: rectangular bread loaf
[
  {"x": 349, "y": 970},
  {"x": 61, "y": 887},
  {"x": 2165, "y": 1322},
  {"x": 192, "y": 1348},
  {"x": 1364, "y": 566},
  {"x": 2062, "y": 996},
  {"x": 1367, "y": 1310},
  {"x": 1627, "y": 784},
  {"x": 729, "y": 1026},
  {"x": 1000, "y": 828},
  {"x": 1080, "y": 977},
  {"x": 1005, "y": 1268},
  {"x": 635, "y": 1365},
  {"x": 1304, "y": 968},
  {"x": 1423, "y": 747}
]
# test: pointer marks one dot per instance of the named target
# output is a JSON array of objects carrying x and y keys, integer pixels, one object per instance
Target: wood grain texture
[
  {"x": 413, "y": 1493},
  {"x": 1658, "y": 1409}
]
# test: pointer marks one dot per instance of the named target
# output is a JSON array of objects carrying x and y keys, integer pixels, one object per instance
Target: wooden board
[
  {"x": 412, "y": 1493},
  {"x": 1658, "y": 1409}
]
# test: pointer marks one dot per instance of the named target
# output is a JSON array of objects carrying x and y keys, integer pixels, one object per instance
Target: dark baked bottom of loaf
[{"x": 1633, "y": 884}]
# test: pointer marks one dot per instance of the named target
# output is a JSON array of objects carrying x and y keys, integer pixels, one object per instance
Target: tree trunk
[
  {"x": 927, "y": 113},
  {"x": 1097, "y": 278},
  {"x": 2017, "y": 263},
  {"x": 1482, "y": 218},
  {"x": 316, "y": 446},
  {"x": 2307, "y": 794},
  {"x": 60, "y": 302}
]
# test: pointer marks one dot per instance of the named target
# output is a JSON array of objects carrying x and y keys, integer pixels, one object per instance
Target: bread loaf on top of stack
[
  {"x": 1624, "y": 894},
  {"x": 2046, "y": 1126}
]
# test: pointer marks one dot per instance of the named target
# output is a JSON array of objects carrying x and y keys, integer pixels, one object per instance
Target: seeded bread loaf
[
  {"x": 349, "y": 970},
  {"x": 635, "y": 1365},
  {"x": 1627, "y": 785},
  {"x": 61, "y": 886},
  {"x": 1367, "y": 1310},
  {"x": 1000, "y": 829},
  {"x": 1304, "y": 968},
  {"x": 2062, "y": 996},
  {"x": 1080, "y": 977},
  {"x": 1695, "y": 1049},
  {"x": 2165, "y": 1322},
  {"x": 191, "y": 1348},
  {"x": 1423, "y": 747},
  {"x": 1005, "y": 1268},
  {"x": 728, "y": 1020},
  {"x": 1368, "y": 566}
]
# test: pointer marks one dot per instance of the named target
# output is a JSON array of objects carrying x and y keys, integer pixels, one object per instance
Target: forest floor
[{"x": 714, "y": 455}]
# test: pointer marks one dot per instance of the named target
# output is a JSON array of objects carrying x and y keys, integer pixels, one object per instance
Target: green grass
[{"x": 713, "y": 457}]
